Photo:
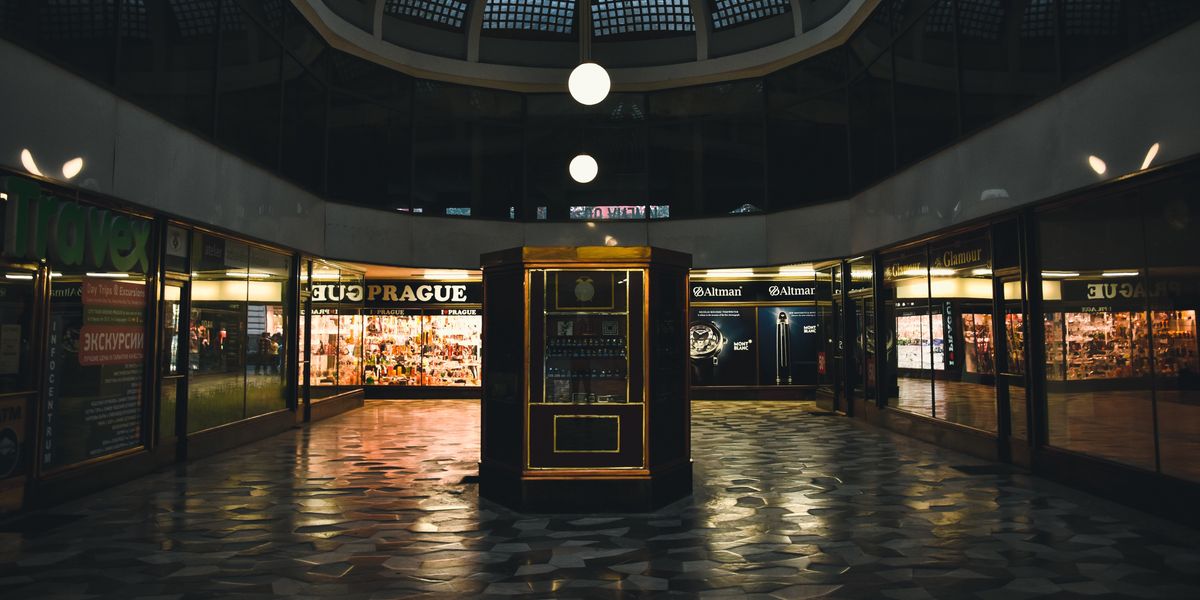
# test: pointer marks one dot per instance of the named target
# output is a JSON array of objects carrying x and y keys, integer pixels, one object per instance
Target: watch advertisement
[
  {"x": 722, "y": 346},
  {"x": 788, "y": 343}
]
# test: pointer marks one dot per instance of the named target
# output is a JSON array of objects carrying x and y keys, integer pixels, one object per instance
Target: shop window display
[
  {"x": 1173, "y": 280},
  {"x": 909, "y": 341},
  {"x": 1099, "y": 395},
  {"x": 323, "y": 344},
  {"x": 938, "y": 302},
  {"x": 392, "y": 342},
  {"x": 977, "y": 339},
  {"x": 450, "y": 352},
  {"x": 349, "y": 349}
]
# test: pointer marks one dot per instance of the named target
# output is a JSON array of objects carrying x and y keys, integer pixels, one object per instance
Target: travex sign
[
  {"x": 39, "y": 225},
  {"x": 400, "y": 292},
  {"x": 757, "y": 291}
]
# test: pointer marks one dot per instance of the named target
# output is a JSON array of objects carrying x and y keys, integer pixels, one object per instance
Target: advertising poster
[
  {"x": 94, "y": 386},
  {"x": 721, "y": 342},
  {"x": 787, "y": 346}
]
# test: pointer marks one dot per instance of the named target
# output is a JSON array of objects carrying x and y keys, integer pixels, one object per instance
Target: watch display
[{"x": 705, "y": 340}]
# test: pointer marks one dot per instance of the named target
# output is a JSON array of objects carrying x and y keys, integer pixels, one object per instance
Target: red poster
[
  {"x": 820, "y": 363},
  {"x": 110, "y": 344},
  {"x": 106, "y": 292}
]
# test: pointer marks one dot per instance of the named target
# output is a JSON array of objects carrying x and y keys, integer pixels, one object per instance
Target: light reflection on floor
[{"x": 787, "y": 505}]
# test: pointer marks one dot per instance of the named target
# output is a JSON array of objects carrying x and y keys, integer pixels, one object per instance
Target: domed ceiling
[{"x": 531, "y": 45}]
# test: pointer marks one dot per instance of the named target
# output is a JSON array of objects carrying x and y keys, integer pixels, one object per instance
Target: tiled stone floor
[{"x": 787, "y": 505}]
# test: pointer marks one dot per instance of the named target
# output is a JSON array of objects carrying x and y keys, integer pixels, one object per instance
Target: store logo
[
  {"x": 951, "y": 258},
  {"x": 700, "y": 291},
  {"x": 1109, "y": 291},
  {"x": 40, "y": 226},
  {"x": 739, "y": 346},
  {"x": 791, "y": 290},
  {"x": 895, "y": 271},
  {"x": 336, "y": 292}
]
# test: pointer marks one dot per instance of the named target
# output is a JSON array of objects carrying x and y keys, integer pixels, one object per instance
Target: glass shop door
[
  {"x": 18, "y": 368},
  {"x": 174, "y": 354},
  {"x": 1011, "y": 391}
]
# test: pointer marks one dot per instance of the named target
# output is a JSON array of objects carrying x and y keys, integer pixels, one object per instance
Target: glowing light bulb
[
  {"x": 589, "y": 84},
  {"x": 583, "y": 168}
]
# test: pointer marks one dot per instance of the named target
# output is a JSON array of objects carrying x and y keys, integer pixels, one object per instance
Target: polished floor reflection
[
  {"x": 970, "y": 404},
  {"x": 788, "y": 504}
]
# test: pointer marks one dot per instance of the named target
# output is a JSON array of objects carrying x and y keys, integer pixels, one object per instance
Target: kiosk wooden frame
[{"x": 585, "y": 378}]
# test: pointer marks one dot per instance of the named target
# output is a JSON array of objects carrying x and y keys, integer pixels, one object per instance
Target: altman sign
[
  {"x": 702, "y": 291},
  {"x": 390, "y": 293},
  {"x": 758, "y": 291}
]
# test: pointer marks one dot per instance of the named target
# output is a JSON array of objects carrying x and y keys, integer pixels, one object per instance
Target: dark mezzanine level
[{"x": 917, "y": 77}]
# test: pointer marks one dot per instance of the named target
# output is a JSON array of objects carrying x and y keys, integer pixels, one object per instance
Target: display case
[{"x": 585, "y": 394}]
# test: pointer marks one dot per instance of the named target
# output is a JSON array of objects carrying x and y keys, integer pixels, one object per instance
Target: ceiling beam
[
  {"x": 376, "y": 8},
  {"x": 474, "y": 24},
  {"x": 703, "y": 18},
  {"x": 797, "y": 22}
]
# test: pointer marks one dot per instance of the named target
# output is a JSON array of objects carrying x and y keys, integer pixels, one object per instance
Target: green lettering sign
[{"x": 40, "y": 226}]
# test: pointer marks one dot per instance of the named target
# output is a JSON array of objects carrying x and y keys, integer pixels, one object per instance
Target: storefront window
[
  {"x": 217, "y": 335},
  {"x": 914, "y": 344},
  {"x": 266, "y": 322},
  {"x": 451, "y": 347},
  {"x": 961, "y": 298},
  {"x": 392, "y": 340},
  {"x": 95, "y": 368},
  {"x": 1173, "y": 289},
  {"x": 16, "y": 325},
  {"x": 1098, "y": 362},
  {"x": 861, "y": 334}
]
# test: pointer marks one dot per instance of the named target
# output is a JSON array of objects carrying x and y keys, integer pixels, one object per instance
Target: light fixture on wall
[
  {"x": 589, "y": 82},
  {"x": 583, "y": 168},
  {"x": 1097, "y": 164}
]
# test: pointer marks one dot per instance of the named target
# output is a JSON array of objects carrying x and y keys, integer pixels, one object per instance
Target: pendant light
[
  {"x": 589, "y": 82},
  {"x": 583, "y": 168}
]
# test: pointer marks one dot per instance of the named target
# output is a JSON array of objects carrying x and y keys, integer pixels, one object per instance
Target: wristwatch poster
[{"x": 722, "y": 346}]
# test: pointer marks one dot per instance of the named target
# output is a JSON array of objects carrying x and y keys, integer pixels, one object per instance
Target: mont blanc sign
[
  {"x": 383, "y": 294},
  {"x": 758, "y": 291}
]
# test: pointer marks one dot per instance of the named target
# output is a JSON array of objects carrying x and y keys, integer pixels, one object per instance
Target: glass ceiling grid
[
  {"x": 548, "y": 16},
  {"x": 615, "y": 17},
  {"x": 1092, "y": 17},
  {"x": 981, "y": 19},
  {"x": 1038, "y": 19},
  {"x": 198, "y": 17},
  {"x": 449, "y": 13},
  {"x": 728, "y": 13}
]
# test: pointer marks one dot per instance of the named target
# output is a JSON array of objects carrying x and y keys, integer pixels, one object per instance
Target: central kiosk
[{"x": 585, "y": 379}]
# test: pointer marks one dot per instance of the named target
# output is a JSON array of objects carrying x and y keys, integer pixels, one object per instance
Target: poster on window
[
  {"x": 919, "y": 343},
  {"x": 94, "y": 375},
  {"x": 787, "y": 346},
  {"x": 722, "y": 346}
]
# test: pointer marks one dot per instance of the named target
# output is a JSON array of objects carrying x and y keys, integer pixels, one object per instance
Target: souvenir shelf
[{"x": 585, "y": 378}]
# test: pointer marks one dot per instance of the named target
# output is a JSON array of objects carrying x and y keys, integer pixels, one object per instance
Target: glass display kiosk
[{"x": 585, "y": 379}]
